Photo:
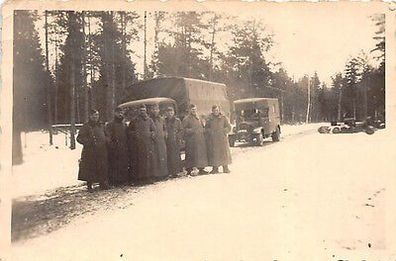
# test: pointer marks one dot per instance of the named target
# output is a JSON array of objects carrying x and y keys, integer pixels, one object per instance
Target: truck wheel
[
  {"x": 336, "y": 130},
  {"x": 276, "y": 135},
  {"x": 370, "y": 130}
]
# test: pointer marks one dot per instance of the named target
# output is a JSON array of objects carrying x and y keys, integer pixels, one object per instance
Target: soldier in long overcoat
[
  {"x": 116, "y": 131},
  {"x": 160, "y": 166},
  {"x": 174, "y": 138},
  {"x": 94, "y": 160},
  {"x": 217, "y": 129},
  {"x": 141, "y": 133},
  {"x": 196, "y": 154}
]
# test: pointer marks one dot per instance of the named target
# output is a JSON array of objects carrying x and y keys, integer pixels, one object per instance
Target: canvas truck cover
[
  {"x": 184, "y": 91},
  {"x": 252, "y": 103}
]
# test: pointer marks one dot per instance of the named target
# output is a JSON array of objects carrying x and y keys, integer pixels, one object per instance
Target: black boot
[
  {"x": 226, "y": 169},
  {"x": 215, "y": 170},
  {"x": 89, "y": 186}
]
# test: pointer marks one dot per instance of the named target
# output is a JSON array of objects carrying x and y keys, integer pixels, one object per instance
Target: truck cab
[{"x": 256, "y": 119}]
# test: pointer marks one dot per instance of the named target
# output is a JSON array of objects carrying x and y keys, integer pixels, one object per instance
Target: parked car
[
  {"x": 256, "y": 119},
  {"x": 349, "y": 125}
]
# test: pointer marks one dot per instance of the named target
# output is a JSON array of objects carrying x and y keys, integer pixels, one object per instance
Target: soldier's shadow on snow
[{"x": 37, "y": 215}]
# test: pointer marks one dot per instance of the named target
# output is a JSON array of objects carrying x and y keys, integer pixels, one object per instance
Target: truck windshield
[
  {"x": 253, "y": 114},
  {"x": 250, "y": 114}
]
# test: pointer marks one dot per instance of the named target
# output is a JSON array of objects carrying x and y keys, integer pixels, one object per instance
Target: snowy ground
[
  {"x": 46, "y": 168},
  {"x": 308, "y": 197}
]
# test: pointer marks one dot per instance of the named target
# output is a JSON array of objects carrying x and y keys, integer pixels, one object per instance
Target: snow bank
[
  {"x": 45, "y": 167},
  {"x": 318, "y": 197},
  {"x": 289, "y": 130},
  {"x": 49, "y": 167}
]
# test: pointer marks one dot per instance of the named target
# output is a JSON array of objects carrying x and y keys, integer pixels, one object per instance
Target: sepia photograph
[{"x": 201, "y": 131}]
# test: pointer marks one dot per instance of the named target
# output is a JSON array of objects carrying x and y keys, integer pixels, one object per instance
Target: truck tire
[
  {"x": 336, "y": 130},
  {"x": 276, "y": 135},
  {"x": 370, "y": 130},
  {"x": 323, "y": 129}
]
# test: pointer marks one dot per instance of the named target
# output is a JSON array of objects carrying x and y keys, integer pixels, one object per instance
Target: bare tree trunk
[
  {"x": 253, "y": 88},
  {"x": 108, "y": 60},
  {"x": 110, "y": 69},
  {"x": 309, "y": 102},
  {"x": 56, "y": 85},
  {"x": 364, "y": 102},
  {"x": 354, "y": 108},
  {"x": 293, "y": 114},
  {"x": 72, "y": 95},
  {"x": 212, "y": 49},
  {"x": 72, "y": 106},
  {"x": 145, "y": 47},
  {"x": 123, "y": 75},
  {"x": 339, "y": 105},
  {"x": 113, "y": 82},
  {"x": 189, "y": 56},
  {"x": 282, "y": 111},
  {"x": 56, "y": 78},
  {"x": 77, "y": 92},
  {"x": 49, "y": 103},
  {"x": 17, "y": 153},
  {"x": 91, "y": 74},
  {"x": 86, "y": 98},
  {"x": 158, "y": 18}
]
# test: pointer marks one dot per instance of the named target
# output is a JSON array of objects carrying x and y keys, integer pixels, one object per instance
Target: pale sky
[{"x": 310, "y": 39}]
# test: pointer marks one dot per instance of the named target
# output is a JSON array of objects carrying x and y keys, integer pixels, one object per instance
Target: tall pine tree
[{"x": 29, "y": 78}]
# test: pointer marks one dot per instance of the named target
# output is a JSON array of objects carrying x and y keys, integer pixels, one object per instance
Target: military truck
[
  {"x": 131, "y": 108},
  {"x": 184, "y": 91},
  {"x": 256, "y": 119}
]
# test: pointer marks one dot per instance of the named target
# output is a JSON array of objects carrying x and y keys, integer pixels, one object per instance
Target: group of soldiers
[{"x": 148, "y": 149}]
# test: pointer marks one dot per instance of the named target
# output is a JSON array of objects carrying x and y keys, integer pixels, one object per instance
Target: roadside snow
[
  {"x": 317, "y": 197},
  {"x": 49, "y": 167},
  {"x": 45, "y": 167}
]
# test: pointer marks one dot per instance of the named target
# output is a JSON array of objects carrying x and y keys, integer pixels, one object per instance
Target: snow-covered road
[
  {"x": 312, "y": 197},
  {"x": 47, "y": 168}
]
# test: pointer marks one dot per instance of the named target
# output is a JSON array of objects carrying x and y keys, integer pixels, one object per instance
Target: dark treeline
[
  {"x": 359, "y": 91},
  {"x": 67, "y": 62}
]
